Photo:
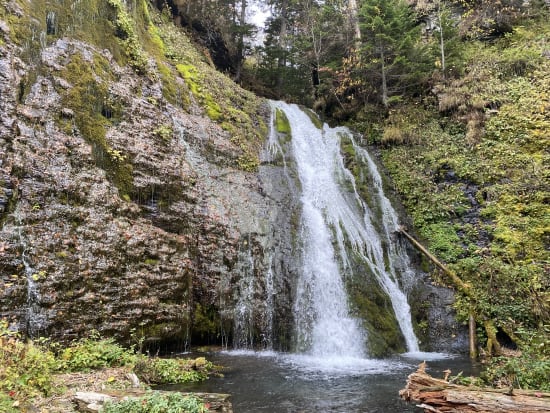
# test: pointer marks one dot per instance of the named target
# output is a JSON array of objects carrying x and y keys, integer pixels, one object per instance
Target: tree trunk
[
  {"x": 493, "y": 346},
  {"x": 454, "y": 278},
  {"x": 441, "y": 396},
  {"x": 240, "y": 43},
  {"x": 282, "y": 46},
  {"x": 354, "y": 17},
  {"x": 441, "y": 38},
  {"x": 384, "y": 81},
  {"x": 473, "y": 338}
]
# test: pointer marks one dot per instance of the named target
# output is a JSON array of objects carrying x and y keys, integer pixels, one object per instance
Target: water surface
[{"x": 289, "y": 383}]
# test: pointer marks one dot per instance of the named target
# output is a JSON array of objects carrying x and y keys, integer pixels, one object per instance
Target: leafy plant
[
  {"x": 94, "y": 353},
  {"x": 159, "y": 370},
  {"x": 25, "y": 368},
  {"x": 126, "y": 32},
  {"x": 7, "y": 404},
  {"x": 156, "y": 402},
  {"x": 529, "y": 370}
]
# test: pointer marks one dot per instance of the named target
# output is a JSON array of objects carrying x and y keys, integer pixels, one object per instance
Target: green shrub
[
  {"x": 524, "y": 372},
  {"x": 159, "y": 371},
  {"x": 127, "y": 34},
  {"x": 529, "y": 370},
  {"x": 156, "y": 403},
  {"x": 25, "y": 368},
  {"x": 6, "y": 404},
  {"x": 443, "y": 241},
  {"x": 95, "y": 353}
]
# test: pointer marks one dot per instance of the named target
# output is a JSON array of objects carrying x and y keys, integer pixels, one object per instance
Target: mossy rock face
[
  {"x": 314, "y": 118},
  {"x": 124, "y": 211},
  {"x": 373, "y": 306},
  {"x": 94, "y": 112},
  {"x": 165, "y": 331},
  {"x": 40, "y": 22},
  {"x": 282, "y": 125},
  {"x": 206, "y": 324}
]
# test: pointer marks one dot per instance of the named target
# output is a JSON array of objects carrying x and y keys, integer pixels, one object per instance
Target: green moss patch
[
  {"x": 95, "y": 110},
  {"x": 373, "y": 307},
  {"x": 282, "y": 125}
]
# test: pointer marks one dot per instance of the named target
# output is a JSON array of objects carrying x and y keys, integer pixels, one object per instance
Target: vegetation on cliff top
[{"x": 237, "y": 111}]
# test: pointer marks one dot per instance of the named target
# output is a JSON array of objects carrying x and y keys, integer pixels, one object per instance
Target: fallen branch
[
  {"x": 439, "y": 396},
  {"x": 493, "y": 346},
  {"x": 465, "y": 288}
]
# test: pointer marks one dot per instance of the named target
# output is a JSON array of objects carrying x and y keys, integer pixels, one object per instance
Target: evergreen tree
[
  {"x": 448, "y": 41},
  {"x": 241, "y": 30},
  {"x": 305, "y": 41},
  {"x": 320, "y": 41},
  {"x": 392, "y": 56}
]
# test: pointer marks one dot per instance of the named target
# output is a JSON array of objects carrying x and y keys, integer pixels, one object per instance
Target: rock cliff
[
  {"x": 126, "y": 204},
  {"x": 137, "y": 197}
]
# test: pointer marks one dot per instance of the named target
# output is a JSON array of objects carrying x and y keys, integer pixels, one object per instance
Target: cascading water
[
  {"x": 334, "y": 221},
  {"x": 36, "y": 320},
  {"x": 322, "y": 236},
  {"x": 244, "y": 309},
  {"x": 398, "y": 261}
]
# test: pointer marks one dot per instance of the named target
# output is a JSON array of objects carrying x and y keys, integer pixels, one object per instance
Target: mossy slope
[
  {"x": 136, "y": 34},
  {"x": 472, "y": 167}
]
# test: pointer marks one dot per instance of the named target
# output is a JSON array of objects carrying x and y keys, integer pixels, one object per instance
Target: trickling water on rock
[{"x": 36, "y": 320}]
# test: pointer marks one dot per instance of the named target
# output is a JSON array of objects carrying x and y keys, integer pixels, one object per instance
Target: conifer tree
[
  {"x": 448, "y": 42},
  {"x": 392, "y": 55}
]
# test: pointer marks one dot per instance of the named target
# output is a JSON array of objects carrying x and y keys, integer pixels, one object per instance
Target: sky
[{"x": 257, "y": 14}]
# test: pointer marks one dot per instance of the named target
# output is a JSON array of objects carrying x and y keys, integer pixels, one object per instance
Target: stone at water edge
[{"x": 91, "y": 401}]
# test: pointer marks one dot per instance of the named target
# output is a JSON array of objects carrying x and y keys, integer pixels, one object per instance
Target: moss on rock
[
  {"x": 94, "y": 111},
  {"x": 282, "y": 125},
  {"x": 373, "y": 306}
]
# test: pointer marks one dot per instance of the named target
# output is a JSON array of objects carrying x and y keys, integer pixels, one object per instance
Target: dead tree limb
[
  {"x": 493, "y": 346},
  {"x": 440, "y": 396}
]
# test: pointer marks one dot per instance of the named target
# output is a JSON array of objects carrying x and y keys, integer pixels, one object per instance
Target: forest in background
[{"x": 454, "y": 95}]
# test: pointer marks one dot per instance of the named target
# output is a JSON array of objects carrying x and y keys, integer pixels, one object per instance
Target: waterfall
[
  {"x": 36, "y": 320},
  {"x": 335, "y": 222},
  {"x": 398, "y": 261}
]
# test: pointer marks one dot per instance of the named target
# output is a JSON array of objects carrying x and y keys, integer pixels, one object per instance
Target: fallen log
[{"x": 440, "y": 396}]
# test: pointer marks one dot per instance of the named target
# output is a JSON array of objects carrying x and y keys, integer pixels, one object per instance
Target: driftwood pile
[{"x": 440, "y": 396}]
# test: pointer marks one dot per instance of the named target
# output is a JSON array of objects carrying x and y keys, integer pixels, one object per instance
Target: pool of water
[{"x": 287, "y": 383}]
